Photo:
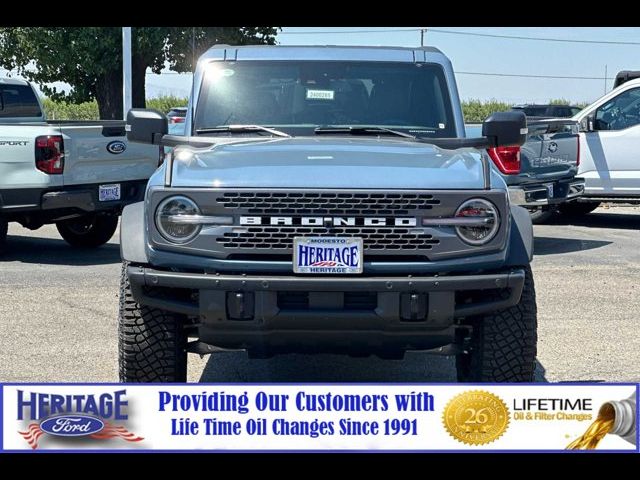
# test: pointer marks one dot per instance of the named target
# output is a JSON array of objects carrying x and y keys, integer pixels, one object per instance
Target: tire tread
[
  {"x": 151, "y": 342},
  {"x": 504, "y": 344}
]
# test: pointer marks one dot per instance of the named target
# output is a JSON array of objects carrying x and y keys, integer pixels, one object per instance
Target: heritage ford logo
[
  {"x": 116, "y": 147},
  {"x": 77, "y": 415},
  {"x": 72, "y": 425},
  {"x": 331, "y": 221}
]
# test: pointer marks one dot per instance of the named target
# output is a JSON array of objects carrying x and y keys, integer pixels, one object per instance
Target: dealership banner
[{"x": 319, "y": 417}]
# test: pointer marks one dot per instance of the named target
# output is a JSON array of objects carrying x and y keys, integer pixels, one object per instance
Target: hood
[{"x": 328, "y": 162}]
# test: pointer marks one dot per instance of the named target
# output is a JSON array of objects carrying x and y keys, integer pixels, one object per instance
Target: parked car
[
  {"x": 77, "y": 175},
  {"x": 609, "y": 141},
  {"x": 547, "y": 111},
  {"x": 325, "y": 200},
  {"x": 177, "y": 115}
]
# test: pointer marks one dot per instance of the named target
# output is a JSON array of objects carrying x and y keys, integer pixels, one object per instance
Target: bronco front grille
[
  {"x": 281, "y": 238},
  {"x": 305, "y": 203}
]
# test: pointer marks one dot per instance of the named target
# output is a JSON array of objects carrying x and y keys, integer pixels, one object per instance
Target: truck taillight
[
  {"x": 50, "y": 154},
  {"x": 578, "y": 152},
  {"x": 507, "y": 159}
]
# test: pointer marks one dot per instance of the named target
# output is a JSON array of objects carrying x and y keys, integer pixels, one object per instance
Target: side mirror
[
  {"x": 146, "y": 125},
  {"x": 505, "y": 129}
]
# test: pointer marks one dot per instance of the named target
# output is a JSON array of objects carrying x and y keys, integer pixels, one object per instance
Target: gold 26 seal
[{"x": 476, "y": 417}]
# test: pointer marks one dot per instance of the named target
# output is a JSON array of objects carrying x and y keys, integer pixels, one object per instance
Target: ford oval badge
[
  {"x": 116, "y": 147},
  {"x": 72, "y": 425}
]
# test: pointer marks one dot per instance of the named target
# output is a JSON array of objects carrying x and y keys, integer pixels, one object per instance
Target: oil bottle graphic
[{"x": 614, "y": 418}]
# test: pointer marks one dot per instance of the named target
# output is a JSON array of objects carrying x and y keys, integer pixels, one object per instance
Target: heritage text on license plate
[
  {"x": 335, "y": 255},
  {"x": 108, "y": 193}
]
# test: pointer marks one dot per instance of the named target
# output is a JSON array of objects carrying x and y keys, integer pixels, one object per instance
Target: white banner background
[{"x": 155, "y": 426}]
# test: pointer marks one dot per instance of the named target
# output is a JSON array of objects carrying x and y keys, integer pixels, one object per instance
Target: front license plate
[
  {"x": 108, "y": 193},
  {"x": 335, "y": 255}
]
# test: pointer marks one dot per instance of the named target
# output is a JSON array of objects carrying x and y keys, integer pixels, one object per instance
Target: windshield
[{"x": 297, "y": 96}]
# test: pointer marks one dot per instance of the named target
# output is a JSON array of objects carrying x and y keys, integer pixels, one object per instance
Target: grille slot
[
  {"x": 281, "y": 238},
  {"x": 311, "y": 203},
  {"x": 350, "y": 301}
]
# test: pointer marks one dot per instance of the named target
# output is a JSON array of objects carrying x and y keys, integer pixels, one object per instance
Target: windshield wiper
[
  {"x": 242, "y": 129},
  {"x": 362, "y": 130}
]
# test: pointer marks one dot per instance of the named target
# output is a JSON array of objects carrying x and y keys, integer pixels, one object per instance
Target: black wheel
[
  {"x": 151, "y": 342},
  {"x": 576, "y": 209},
  {"x": 88, "y": 232},
  {"x": 540, "y": 215},
  {"x": 503, "y": 345},
  {"x": 3, "y": 234}
]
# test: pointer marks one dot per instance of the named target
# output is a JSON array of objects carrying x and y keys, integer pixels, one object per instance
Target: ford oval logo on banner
[
  {"x": 116, "y": 147},
  {"x": 72, "y": 425}
]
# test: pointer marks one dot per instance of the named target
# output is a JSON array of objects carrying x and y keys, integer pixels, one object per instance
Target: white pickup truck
[
  {"x": 609, "y": 141},
  {"x": 78, "y": 175}
]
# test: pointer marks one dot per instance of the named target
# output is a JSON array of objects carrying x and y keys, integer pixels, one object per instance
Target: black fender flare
[{"x": 521, "y": 238}]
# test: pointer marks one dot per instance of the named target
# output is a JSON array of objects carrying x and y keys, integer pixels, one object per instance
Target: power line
[
  {"x": 456, "y": 32},
  {"x": 564, "y": 77},
  {"x": 540, "y": 39},
  {"x": 325, "y": 32}
]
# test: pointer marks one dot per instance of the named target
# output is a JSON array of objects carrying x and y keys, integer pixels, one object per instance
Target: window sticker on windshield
[
  {"x": 320, "y": 94},
  {"x": 441, "y": 126}
]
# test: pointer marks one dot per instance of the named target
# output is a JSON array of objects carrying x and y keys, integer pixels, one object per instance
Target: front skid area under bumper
[{"x": 267, "y": 314}]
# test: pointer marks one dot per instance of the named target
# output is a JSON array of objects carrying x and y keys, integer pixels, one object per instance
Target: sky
[
  {"x": 489, "y": 55},
  {"x": 478, "y": 54}
]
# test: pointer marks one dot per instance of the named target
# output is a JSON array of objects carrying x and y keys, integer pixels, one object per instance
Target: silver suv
[{"x": 324, "y": 199}]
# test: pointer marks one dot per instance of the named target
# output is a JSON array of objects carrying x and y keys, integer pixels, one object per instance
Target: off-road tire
[
  {"x": 577, "y": 209},
  {"x": 3, "y": 234},
  {"x": 151, "y": 342},
  {"x": 540, "y": 215},
  {"x": 503, "y": 345},
  {"x": 88, "y": 232}
]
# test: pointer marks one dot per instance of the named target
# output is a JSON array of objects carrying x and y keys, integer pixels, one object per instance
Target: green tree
[{"x": 90, "y": 58}]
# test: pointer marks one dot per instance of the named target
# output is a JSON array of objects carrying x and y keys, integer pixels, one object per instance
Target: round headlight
[
  {"x": 486, "y": 225},
  {"x": 168, "y": 219}
]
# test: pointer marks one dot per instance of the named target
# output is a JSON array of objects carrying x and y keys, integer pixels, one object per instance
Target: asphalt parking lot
[{"x": 58, "y": 312}]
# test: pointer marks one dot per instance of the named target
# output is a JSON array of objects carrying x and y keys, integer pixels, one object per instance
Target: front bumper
[
  {"x": 266, "y": 314},
  {"x": 548, "y": 193}
]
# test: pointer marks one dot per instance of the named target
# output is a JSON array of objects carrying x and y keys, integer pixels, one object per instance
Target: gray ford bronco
[{"x": 324, "y": 199}]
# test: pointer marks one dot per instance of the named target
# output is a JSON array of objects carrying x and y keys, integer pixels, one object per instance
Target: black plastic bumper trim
[{"x": 144, "y": 276}]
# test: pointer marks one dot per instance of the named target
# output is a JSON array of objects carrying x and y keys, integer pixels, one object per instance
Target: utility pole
[
  {"x": 193, "y": 49},
  {"x": 423, "y": 32},
  {"x": 126, "y": 71}
]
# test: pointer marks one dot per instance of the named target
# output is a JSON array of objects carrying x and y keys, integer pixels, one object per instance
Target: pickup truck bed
[
  {"x": 88, "y": 162},
  {"x": 77, "y": 174}
]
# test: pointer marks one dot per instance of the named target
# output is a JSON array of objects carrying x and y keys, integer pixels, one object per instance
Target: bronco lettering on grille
[{"x": 331, "y": 221}]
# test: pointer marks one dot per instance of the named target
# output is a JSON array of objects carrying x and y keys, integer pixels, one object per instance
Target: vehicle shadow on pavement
[
  {"x": 49, "y": 251},
  {"x": 553, "y": 246},
  {"x": 600, "y": 219},
  {"x": 418, "y": 367}
]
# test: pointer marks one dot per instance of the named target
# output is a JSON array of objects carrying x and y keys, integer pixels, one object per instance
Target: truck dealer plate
[
  {"x": 107, "y": 193},
  {"x": 335, "y": 255}
]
